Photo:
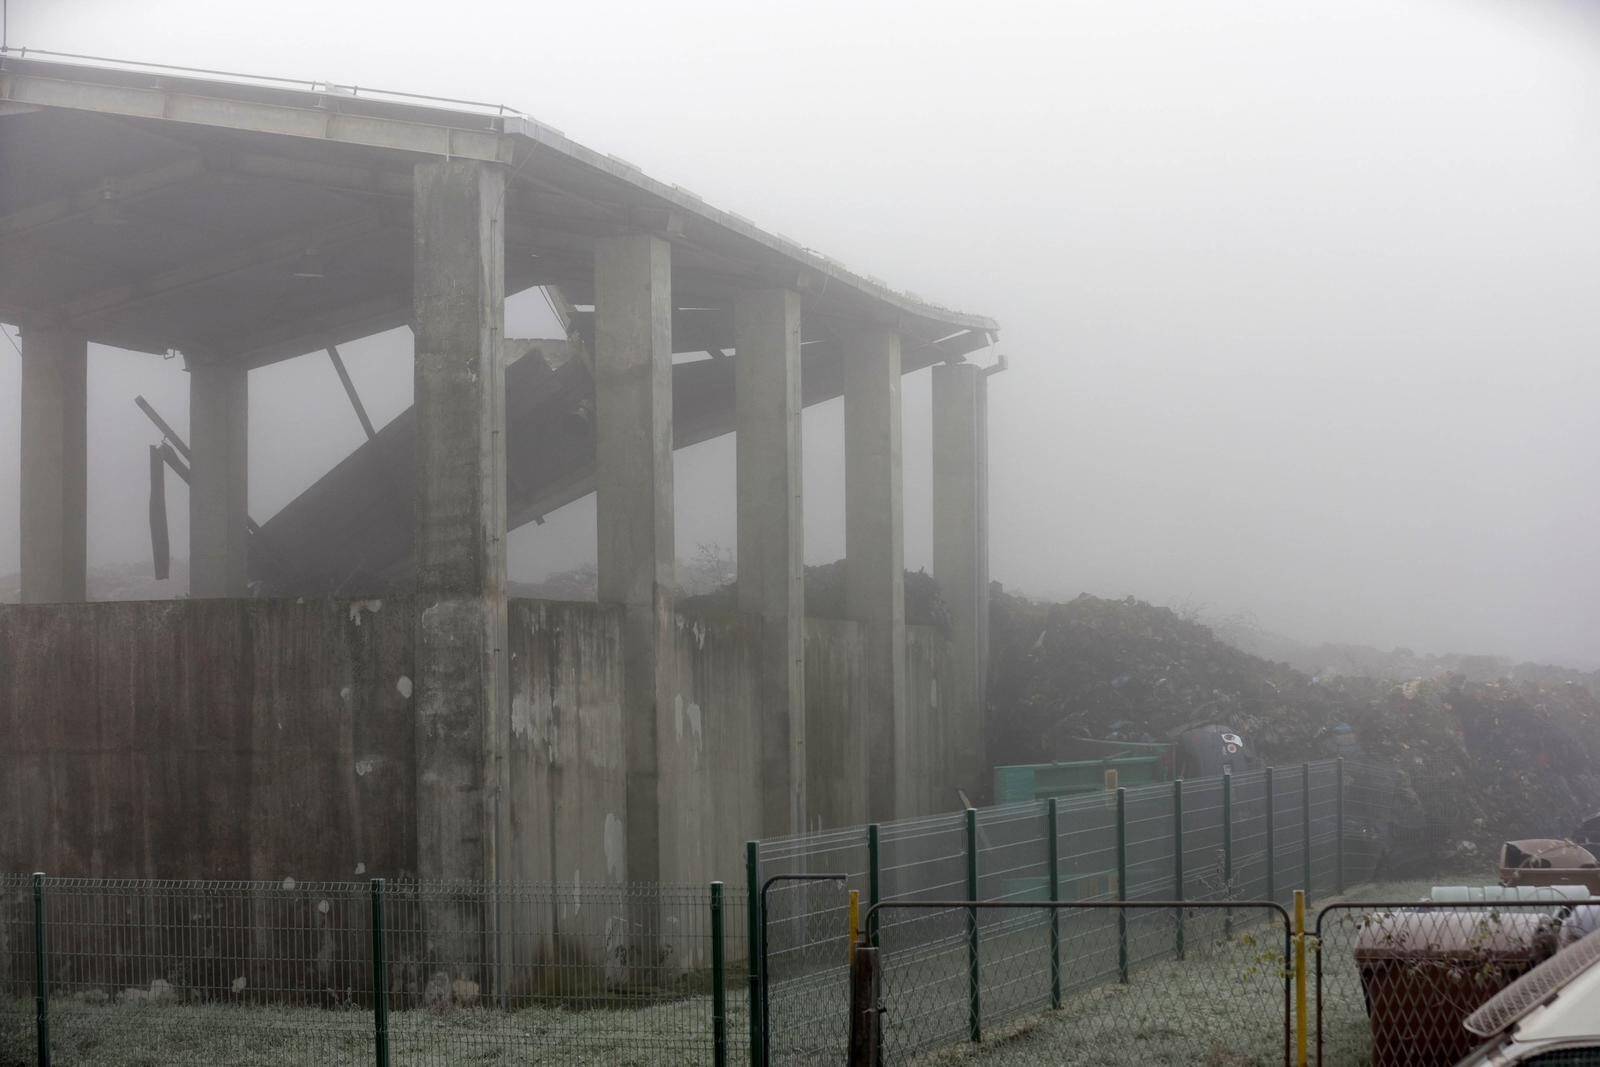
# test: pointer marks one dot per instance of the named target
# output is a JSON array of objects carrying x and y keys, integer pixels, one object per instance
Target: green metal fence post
[
  {"x": 1338, "y": 826},
  {"x": 1272, "y": 870},
  {"x": 1122, "y": 883},
  {"x": 1227, "y": 849},
  {"x": 974, "y": 998},
  {"x": 873, "y": 894},
  {"x": 719, "y": 982},
  {"x": 41, "y": 975},
  {"x": 1052, "y": 822},
  {"x": 1305, "y": 827},
  {"x": 752, "y": 951},
  {"x": 380, "y": 978},
  {"x": 1177, "y": 857}
]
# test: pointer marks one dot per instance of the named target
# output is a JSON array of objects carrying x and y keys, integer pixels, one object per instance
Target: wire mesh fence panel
[
  {"x": 1205, "y": 850},
  {"x": 1227, "y": 1002},
  {"x": 208, "y": 972},
  {"x": 1250, "y": 836},
  {"x": 1288, "y": 834},
  {"x": 17, "y": 1042},
  {"x": 808, "y": 972},
  {"x": 1325, "y": 835},
  {"x": 926, "y": 859},
  {"x": 1151, "y": 871},
  {"x": 1371, "y": 803},
  {"x": 580, "y": 974},
  {"x": 1395, "y": 982},
  {"x": 1013, "y": 862}
]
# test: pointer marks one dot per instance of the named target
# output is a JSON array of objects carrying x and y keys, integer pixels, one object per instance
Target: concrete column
[
  {"x": 55, "y": 449},
  {"x": 958, "y": 560},
  {"x": 219, "y": 436},
  {"x": 461, "y": 689},
  {"x": 875, "y": 551},
  {"x": 771, "y": 539},
  {"x": 633, "y": 485}
]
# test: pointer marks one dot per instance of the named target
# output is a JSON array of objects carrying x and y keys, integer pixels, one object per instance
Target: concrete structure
[
  {"x": 448, "y": 731},
  {"x": 960, "y": 521},
  {"x": 875, "y": 577},
  {"x": 55, "y": 466}
]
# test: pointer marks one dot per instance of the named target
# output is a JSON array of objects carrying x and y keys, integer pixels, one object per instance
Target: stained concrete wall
[
  {"x": 566, "y": 759},
  {"x": 934, "y": 740},
  {"x": 836, "y": 744},
  {"x": 221, "y": 739},
  {"x": 268, "y": 739}
]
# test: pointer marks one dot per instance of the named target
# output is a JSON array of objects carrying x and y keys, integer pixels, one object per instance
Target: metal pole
[
  {"x": 873, "y": 895},
  {"x": 1052, "y": 821},
  {"x": 1227, "y": 849},
  {"x": 1305, "y": 826},
  {"x": 752, "y": 907},
  {"x": 865, "y": 976},
  {"x": 41, "y": 977},
  {"x": 380, "y": 977},
  {"x": 1301, "y": 1017},
  {"x": 974, "y": 997},
  {"x": 1338, "y": 825},
  {"x": 1122, "y": 884},
  {"x": 1177, "y": 857},
  {"x": 1272, "y": 879},
  {"x": 719, "y": 982},
  {"x": 350, "y": 391}
]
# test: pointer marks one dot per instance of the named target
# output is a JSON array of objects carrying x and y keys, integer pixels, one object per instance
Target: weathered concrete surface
[
  {"x": 836, "y": 739},
  {"x": 462, "y": 690},
  {"x": 221, "y": 739},
  {"x": 567, "y": 771},
  {"x": 713, "y": 750},
  {"x": 936, "y": 742},
  {"x": 634, "y": 519},
  {"x": 958, "y": 565},
  {"x": 269, "y": 739},
  {"x": 875, "y": 550},
  {"x": 771, "y": 539},
  {"x": 54, "y": 490},
  {"x": 219, "y": 437}
]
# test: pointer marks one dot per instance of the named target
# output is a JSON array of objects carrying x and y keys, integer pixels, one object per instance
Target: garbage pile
[{"x": 1483, "y": 761}]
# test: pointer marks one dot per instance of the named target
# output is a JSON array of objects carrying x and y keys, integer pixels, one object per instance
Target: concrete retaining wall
[
  {"x": 273, "y": 739},
  {"x": 219, "y": 739}
]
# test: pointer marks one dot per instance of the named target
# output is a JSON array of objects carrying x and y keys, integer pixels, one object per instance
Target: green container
[{"x": 1040, "y": 781}]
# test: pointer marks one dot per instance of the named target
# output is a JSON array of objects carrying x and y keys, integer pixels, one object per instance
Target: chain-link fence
[
  {"x": 140, "y": 972},
  {"x": 1395, "y": 982},
  {"x": 1227, "y": 1001}
]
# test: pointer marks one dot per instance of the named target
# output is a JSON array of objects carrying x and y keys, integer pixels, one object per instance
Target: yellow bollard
[
  {"x": 1300, "y": 977},
  {"x": 855, "y": 921}
]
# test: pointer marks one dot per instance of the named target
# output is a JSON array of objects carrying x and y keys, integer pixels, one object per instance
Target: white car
[{"x": 1549, "y": 1017}]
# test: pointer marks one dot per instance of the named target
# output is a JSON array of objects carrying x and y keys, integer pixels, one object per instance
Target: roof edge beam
[{"x": 256, "y": 116}]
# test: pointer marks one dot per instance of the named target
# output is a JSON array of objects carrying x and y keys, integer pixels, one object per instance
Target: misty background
[{"x": 1299, "y": 299}]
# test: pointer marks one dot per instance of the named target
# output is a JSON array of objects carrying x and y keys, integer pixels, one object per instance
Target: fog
[{"x": 1299, "y": 299}]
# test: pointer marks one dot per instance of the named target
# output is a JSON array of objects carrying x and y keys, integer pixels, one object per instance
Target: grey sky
[{"x": 1299, "y": 298}]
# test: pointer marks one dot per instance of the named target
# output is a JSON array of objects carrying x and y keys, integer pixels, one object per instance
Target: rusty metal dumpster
[{"x": 1423, "y": 972}]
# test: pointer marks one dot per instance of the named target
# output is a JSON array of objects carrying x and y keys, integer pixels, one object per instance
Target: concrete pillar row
[
  {"x": 219, "y": 437},
  {"x": 53, "y": 505},
  {"x": 875, "y": 554},
  {"x": 636, "y": 561},
  {"x": 959, "y": 564},
  {"x": 771, "y": 539},
  {"x": 461, "y": 691}
]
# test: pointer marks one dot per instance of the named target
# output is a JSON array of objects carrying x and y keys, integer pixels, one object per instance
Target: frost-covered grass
[{"x": 85, "y": 1035}]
